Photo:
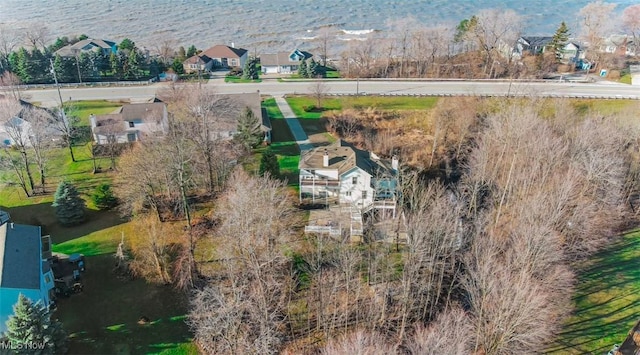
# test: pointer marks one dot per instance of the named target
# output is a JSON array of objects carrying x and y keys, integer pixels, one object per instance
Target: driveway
[{"x": 294, "y": 125}]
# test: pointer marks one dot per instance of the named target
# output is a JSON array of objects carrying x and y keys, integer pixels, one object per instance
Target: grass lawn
[
  {"x": 235, "y": 79},
  {"x": 378, "y": 102},
  {"x": 103, "y": 318},
  {"x": 607, "y": 300},
  {"x": 272, "y": 108},
  {"x": 332, "y": 74},
  {"x": 625, "y": 79},
  {"x": 83, "y": 109},
  {"x": 604, "y": 107}
]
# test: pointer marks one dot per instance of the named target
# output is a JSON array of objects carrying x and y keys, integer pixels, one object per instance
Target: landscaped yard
[
  {"x": 607, "y": 300},
  {"x": 103, "y": 318}
]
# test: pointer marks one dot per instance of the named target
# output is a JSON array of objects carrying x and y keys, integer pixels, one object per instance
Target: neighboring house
[
  {"x": 531, "y": 45},
  {"x": 130, "y": 123},
  {"x": 24, "y": 268},
  {"x": 572, "y": 52},
  {"x": 283, "y": 62},
  {"x": 19, "y": 128},
  {"x": 226, "y": 57},
  {"x": 621, "y": 45},
  {"x": 88, "y": 45},
  {"x": 198, "y": 62},
  {"x": 238, "y": 103}
]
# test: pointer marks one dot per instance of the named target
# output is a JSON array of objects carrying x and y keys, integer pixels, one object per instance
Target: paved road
[
  {"x": 396, "y": 87},
  {"x": 294, "y": 125}
]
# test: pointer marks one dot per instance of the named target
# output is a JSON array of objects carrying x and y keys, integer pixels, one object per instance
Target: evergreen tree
[
  {"x": 31, "y": 325},
  {"x": 87, "y": 68},
  {"x": 82, "y": 37},
  {"x": 103, "y": 197},
  {"x": 114, "y": 64},
  {"x": 250, "y": 70},
  {"x": 249, "y": 132},
  {"x": 133, "y": 65},
  {"x": 560, "y": 39},
  {"x": 182, "y": 54},
  {"x": 39, "y": 67},
  {"x": 68, "y": 204},
  {"x": 126, "y": 45},
  {"x": 302, "y": 69},
  {"x": 65, "y": 69},
  {"x": 177, "y": 66},
  {"x": 312, "y": 69},
  {"x": 21, "y": 65},
  {"x": 269, "y": 164},
  {"x": 191, "y": 51}
]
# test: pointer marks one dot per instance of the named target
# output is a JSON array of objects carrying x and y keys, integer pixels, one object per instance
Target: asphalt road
[{"x": 49, "y": 97}]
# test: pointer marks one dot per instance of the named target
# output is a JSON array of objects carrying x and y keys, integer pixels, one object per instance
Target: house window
[
  {"x": 131, "y": 124},
  {"x": 364, "y": 194},
  {"x": 354, "y": 180},
  {"x": 131, "y": 137},
  {"x": 348, "y": 193}
]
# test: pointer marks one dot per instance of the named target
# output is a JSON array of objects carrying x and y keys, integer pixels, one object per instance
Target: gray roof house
[
  {"x": 532, "y": 45},
  {"x": 351, "y": 179},
  {"x": 23, "y": 268},
  {"x": 130, "y": 123},
  {"x": 88, "y": 45},
  {"x": 19, "y": 128},
  {"x": 283, "y": 62},
  {"x": 226, "y": 57}
]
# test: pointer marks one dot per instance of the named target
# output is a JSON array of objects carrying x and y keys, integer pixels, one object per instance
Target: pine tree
[
  {"x": 250, "y": 70},
  {"x": 31, "y": 325},
  {"x": 560, "y": 39},
  {"x": 249, "y": 132},
  {"x": 114, "y": 64},
  {"x": 133, "y": 64},
  {"x": 269, "y": 164},
  {"x": 103, "y": 197},
  {"x": 302, "y": 69},
  {"x": 312, "y": 69},
  {"x": 191, "y": 51},
  {"x": 69, "y": 205}
]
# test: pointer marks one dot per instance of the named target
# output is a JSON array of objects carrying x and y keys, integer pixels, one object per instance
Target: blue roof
[{"x": 20, "y": 256}]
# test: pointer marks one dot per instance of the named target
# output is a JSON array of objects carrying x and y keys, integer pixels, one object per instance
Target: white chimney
[
  {"x": 394, "y": 163},
  {"x": 325, "y": 159},
  {"x": 233, "y": 45}
]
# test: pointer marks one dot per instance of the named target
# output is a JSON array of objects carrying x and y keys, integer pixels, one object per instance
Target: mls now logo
[{"x": 9, "y": 345}]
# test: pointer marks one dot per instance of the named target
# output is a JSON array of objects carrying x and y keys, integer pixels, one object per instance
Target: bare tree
[
  {"x": 18, "y": 131},
  {"x": 37, "y": 35},
  {"x": 151, "y": 249},
  {"x": 631, "y": 23},
  {"x": 360, "y": 342},
  {"x": 319, "y": 90},
  {"x": 9, "y": 40},
  {"x": 448, "y": 334},
  {"x": 64, "y": 121},
  {"x": 248, "y": 306},
  {"x": 596, "y": 23},
  {"x": 41, "y": 135}
]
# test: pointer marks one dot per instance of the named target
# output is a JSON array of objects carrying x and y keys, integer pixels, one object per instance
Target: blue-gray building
[{"x": 23, "y": 268}]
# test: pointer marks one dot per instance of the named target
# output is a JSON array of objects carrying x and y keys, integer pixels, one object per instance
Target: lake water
[{"x": 265, "y": 26}]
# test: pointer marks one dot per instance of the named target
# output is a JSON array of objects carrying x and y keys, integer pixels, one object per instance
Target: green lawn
[
  {"x": 332, "y": 74},
  {"x": 298, "y": 103},
  {"x": 625, "y": 79},
  {"x": 604, "y": 107},
  {"x": 607, "y": 300},
  {"x": 103, "y": 318},
  {"x": 272, "y": 108},
  {"x": 82, "y": 109},
  {"x": 361, "y": 102},
  {"x": 235, "y": 79}
]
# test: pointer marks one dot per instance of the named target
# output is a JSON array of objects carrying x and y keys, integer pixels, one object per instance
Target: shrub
[{"x": 103, "y": 197}]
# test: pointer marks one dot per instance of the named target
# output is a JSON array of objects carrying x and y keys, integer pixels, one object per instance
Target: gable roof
[
  {"x": 222, "y": 51},
  {"x": 197, "y": 59},
  {"x": 284, "y": 58},
  {"x": 20, "y": 256},
  {"x": 537, "y": 41},
  {"x": 85, "y": 45},
  {"x": 342, "y": 157},
  {"x": 142, "y": 111}
]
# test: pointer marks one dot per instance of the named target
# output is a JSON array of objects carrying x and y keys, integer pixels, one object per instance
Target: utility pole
[{"x": 55, "y": 78}]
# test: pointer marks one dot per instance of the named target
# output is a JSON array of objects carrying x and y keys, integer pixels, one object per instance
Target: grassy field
[
  {"x": 235, "y": 79},
  {"x": 272, "y": 108},
  {"x": 82, "y": 109},
  {"x": 298, "y": 103},
  {"x": 607, "y": 300}
]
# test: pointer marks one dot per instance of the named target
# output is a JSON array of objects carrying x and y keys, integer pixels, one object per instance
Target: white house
[
  {"x": 131, "y": 123},
  {"x": 19, "y": 128},
  {"x": 23, "y": 268},
  {"x": 340, "y": 174},
  {"x": 283, "y": 62}
]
